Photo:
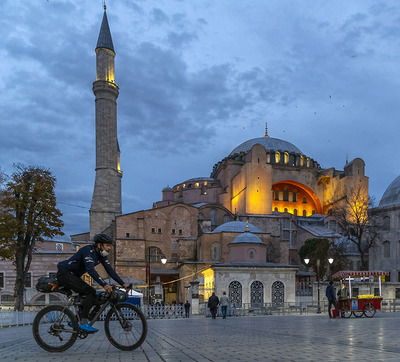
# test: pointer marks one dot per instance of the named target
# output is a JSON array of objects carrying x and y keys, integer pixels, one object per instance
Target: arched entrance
[
  {"x": 256, "y": 294},
  {"x": 278, "y": 294},
  {"x": 235, "y": 293}
]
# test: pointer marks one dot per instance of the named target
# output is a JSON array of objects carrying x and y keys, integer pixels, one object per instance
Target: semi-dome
[
  {"x": 269, "y": 143},
  {"x": 247, "y": 237},
  {"x": 237, "y": 227},
  {"x": 392, "y": 194}
]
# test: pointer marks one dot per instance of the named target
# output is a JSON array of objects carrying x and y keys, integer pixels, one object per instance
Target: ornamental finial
[
  {"x": 266, "y": 130},
  {"x": 247, "y": 226}
]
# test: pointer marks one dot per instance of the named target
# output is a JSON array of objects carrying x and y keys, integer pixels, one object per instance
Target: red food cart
[{"x": 359, "y": 305}]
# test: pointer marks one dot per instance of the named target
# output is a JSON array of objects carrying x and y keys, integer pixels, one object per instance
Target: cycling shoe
[{"x": 87, "y": 328}]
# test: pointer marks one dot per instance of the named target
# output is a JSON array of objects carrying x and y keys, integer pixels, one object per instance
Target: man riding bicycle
[{"x": 83, "y": 261}]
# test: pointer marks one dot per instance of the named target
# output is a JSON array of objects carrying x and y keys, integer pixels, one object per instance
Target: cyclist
[{"x": 83, "y": 261}]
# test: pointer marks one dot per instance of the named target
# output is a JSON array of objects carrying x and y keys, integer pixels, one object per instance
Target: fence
[{"x": 9, "y": 318}]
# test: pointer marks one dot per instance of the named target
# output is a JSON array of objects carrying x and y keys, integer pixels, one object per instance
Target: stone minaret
[{"x": 106, "y": 202}]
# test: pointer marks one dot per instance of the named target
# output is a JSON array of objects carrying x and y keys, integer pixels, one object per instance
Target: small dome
[
  {"x": 166, "y": 189},
  {"x": 270, "y": 144},
  {"x": 247, "y": 238},
  {"x": 392, "y": 194},
  {"x": 237, "y": 227}
]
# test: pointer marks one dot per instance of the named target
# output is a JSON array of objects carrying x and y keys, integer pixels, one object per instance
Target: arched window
[
  {"x": 386, "y": 249},
  {"x": 294, "y": 196},
  {"x": 304, "y": 212},
  {"x": 257, "y": 294},
  {"x": 214, "y": 217},
  {"x": 276, "y": 209},
  {"x": 304, "y": 200},
  {"x": 285, "y": 210},
  {"x": 278, "y": 294},
  {"x": 286, "y": 158},
  {"x": 216, "y": 251},
  {"x": 155, "y": 254},
  {"x": 277, "y": 157},
  {"x": 226, "y": 218},
  {"x": 251, "y": 254},
  {"x": 235, "y": 293},
  {"x": 276, "y": 195},
  {"x": 313, "y": 212},
  {"x": 302, "y": 161},
  {"x": 285, "y": 194},
  {"x": 295, "y": 212},
  {"x": 201, "y": 216},
  {"x": 386, "y": 223}
]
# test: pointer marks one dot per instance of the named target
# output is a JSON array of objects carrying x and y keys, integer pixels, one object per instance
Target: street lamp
[
  {"x": 307, "y": 260},
  {"x": 163, "y": 261}
]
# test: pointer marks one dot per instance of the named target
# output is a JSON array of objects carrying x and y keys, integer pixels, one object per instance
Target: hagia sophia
[{"x": 238, "y": 229}]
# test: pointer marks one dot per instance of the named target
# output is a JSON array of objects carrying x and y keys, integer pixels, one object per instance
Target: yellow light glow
[{"x": 209, "y": 279}]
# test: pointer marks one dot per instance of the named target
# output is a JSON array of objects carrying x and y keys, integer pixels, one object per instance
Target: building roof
[
  {"x": 247, "y": 264},
  {"x": 391, "y": 196},
  {"x": 320, "y": 231},
  {"x": 269, "y": 143},
  {"x": 105, "y": 40},
  {"x": 247, "y": 237},
  {"x": 236, "y": 227}
]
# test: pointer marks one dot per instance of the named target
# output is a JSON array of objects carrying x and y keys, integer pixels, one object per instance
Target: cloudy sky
[{"x": 197, "y": 78}]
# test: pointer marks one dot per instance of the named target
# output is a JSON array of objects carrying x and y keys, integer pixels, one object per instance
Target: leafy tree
[
  {"x": 28, "y": 214},
  {"x": 319, "y": 250},
  {"x": 358, "y": 224}
]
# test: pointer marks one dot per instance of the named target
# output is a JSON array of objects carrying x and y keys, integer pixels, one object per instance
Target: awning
[{"x": 358, "y": 273}]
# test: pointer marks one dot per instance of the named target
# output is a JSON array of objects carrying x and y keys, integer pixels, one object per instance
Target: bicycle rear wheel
[
  {"x": 54, "y": 328},
  {"x": 125, "y": 326}
]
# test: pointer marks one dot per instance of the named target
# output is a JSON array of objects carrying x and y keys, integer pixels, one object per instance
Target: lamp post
[
  {"x": 307, "y": 260},
  {"x": 163, "y": 261}
]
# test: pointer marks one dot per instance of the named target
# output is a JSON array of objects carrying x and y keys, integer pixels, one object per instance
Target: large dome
[
  {"x": 269, "y": 143},
  {"x": 392, "y": 194}
]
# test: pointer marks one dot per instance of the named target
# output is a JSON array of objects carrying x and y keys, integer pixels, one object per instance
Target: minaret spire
[{"x": 106, "y": 201}]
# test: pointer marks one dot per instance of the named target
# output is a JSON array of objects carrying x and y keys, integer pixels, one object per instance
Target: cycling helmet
[{"x": 103, "y": 239}]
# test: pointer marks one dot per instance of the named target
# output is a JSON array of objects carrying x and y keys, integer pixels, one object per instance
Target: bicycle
[{"x": 56, "y": 327}]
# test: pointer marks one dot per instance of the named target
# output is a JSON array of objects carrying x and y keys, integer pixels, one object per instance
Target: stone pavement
[{"x": 263, "y": 338}]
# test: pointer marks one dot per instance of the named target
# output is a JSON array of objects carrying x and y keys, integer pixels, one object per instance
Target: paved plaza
[{"x": 262, "y": 338}]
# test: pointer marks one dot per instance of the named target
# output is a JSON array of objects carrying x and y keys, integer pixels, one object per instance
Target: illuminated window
[
  {"x": 285, "y": 210},
  {"x": 304, "y": 213},
  {"x": 308, "y": 162},
  {"x": 294, "y": 196},
  {"x": 301, "y": 161},
  {"x": 295, "y": 212},
  {"x": 197, "y": 184},
  {"x": 277, "y": 195},
  {"x": 286, "y": 155},
  {"x": 276, "y": 209},
  {"x": 277, "y": 157}
]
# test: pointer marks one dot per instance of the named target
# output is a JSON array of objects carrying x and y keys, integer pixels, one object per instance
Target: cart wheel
[
  {"x": 346, "y": 313},
  {"x": 358, "y": 313},
  {"x": 369, "y": 310}
]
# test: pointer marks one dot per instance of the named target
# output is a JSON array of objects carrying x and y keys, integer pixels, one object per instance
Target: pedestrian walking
[
  {"x": 224, "y": 302},
  {"x": 213, "y": 302},
  {"x": 187, "y": 309},
  {"x": 330, "y": 294}
]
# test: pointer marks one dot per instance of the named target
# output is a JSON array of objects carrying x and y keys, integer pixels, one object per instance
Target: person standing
[
  {"x": 330, "y": 294},
  {"x": 187, "y": 309},
  {"x": 224, "y": 304},
  {"x": 213, "y": 302}
]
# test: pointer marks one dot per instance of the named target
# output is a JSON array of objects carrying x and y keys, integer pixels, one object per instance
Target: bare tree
[
  {"x": 356, "y": 222},
  {"x": 28, "y": 214}
]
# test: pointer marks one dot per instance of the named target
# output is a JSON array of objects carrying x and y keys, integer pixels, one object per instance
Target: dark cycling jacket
[{"x": 84, "y": 260}]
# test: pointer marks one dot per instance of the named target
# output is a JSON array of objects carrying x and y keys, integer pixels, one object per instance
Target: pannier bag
[{"x": 47, "y": 284}]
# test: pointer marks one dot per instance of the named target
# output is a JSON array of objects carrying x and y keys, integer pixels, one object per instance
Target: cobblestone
[{"x": 263, "y": 338}]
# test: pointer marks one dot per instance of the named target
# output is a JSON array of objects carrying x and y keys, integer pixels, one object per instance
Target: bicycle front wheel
[
  {"x": 54, "y": 328},
  {"x": 125, "y": 326}
]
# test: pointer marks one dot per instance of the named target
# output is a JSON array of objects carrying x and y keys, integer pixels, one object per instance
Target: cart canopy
[{"x": 358, "y": 273}]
